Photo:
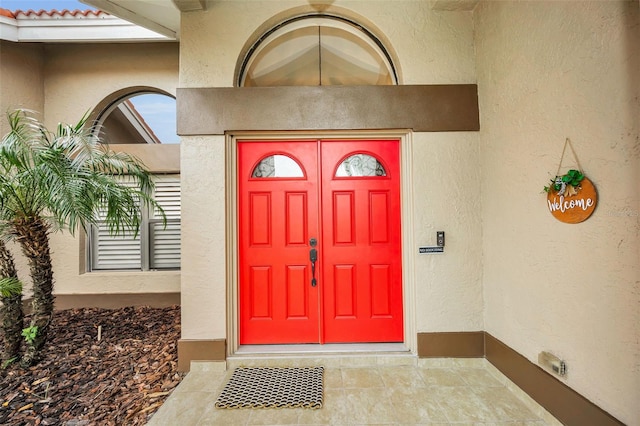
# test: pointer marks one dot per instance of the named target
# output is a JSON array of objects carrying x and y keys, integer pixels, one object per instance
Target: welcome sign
[{"x": 573, "y": 206}]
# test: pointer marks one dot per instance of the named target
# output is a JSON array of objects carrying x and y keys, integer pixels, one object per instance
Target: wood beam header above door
[{"x": 422, "y": 108}]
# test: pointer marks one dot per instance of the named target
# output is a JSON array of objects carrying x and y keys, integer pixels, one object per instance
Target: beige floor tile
[
  {"x": 363, "y": 391},
  {"x": 332, "y": 378},
  {"x": 369, "y": 406},
  {"x": 504, "y": 404},
  {"x": 324, "y": 362},
  {"x": 491, "y": 369},
  {"x": 441, "y": 377},
  {"x": 208, "y": 366},
  {"x": 274, "y": 416},
  {"x": 328, "y": 362},
  {"x": 426, "y": 424},
  {"x": 437, "y": 363},
  {"x": 402, "y": 377},
  {"x": 461, "y": 404},
  {"x": 469, "y": 362},
  {"x": 333, "y": 412},
  {"x": 531, "y": 404},
  {"x": 401, "y": 360},
  {"x": 417, "y": 406},
  {"x": 536, "y": 423},
  {"x": 182, "y": 408},
  {"x": 361, "y": 378},
  {"x": 358, "y": 361},
  {"x": 216, "y": 416},
  {"x": 478, "y": 377},
  {"x": 202, "y": 382}
]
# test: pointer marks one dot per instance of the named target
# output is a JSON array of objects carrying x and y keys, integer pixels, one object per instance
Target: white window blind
[
  {"x": 154, "y": 247},
  {"x": 164, "y": 241},
  {"x": 115, "y": 252}
]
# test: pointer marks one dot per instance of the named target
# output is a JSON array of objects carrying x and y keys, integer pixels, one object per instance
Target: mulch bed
[{"x": 122, "y": 379}]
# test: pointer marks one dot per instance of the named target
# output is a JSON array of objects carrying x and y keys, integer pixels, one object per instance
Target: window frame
[
  {"x": 146, "y": 235},
  {"x": 316, "y": 20}
]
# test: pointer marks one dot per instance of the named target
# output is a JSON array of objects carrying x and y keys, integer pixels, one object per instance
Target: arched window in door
[
  {"x": 317, "y": 51},
  {"x": 277, "y": 166},
  {"x": 360, "y": 165}
]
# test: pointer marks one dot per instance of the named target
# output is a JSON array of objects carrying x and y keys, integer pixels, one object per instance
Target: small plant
[
  {"x": 569, "y": 180},
  {"x": 30, "y": 333},
  {"x": 8, "y": 362}
]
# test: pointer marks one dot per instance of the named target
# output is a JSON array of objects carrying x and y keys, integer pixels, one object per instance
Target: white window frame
[{"x": 144, "y": 258}]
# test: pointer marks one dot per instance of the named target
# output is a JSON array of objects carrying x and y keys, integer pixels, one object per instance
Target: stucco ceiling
[{"x": 163, "y": 16}]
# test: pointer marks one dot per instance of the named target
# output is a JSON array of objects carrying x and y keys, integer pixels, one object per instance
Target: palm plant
[
  {"x": 61, "y": 180},
  {"x": 11, "y": 310}
]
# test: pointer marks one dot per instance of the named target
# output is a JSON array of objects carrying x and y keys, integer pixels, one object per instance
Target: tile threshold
[{"x": 328, "y": 350}]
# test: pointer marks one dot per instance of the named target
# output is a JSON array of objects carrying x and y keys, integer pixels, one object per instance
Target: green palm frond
[
  {"x": 23, "y": 140},
  {"x": 68, "y": 176},
  {"x": 10, "y": 286}
]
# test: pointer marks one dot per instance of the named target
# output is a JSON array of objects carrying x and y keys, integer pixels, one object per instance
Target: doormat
[{"x": 262, "y": 387}]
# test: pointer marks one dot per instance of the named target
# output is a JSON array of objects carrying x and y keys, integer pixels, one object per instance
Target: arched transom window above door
[{"x": 317, "y": 51}]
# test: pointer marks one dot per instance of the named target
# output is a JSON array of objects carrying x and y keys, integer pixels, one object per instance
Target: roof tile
[
  {"x": 7, "y": 13},
  {"x": 79, "y": 14}
]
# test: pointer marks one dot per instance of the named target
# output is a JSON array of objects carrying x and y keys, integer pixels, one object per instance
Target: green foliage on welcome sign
[{"x": 572, "y": 177}]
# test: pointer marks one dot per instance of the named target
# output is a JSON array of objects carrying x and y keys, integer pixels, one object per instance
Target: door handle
[{"x": 313, "y": 257}]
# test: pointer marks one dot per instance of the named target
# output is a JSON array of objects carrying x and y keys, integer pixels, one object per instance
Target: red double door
[{"x": 319, "y": 241}]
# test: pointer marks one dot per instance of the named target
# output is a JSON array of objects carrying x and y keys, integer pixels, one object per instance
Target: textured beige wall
[
  {"x": 433, "y": 48},
  {"x": 79, "y": 76},
  {"x": 547, "y": 71},
  {"x": 161, "y": 158},
  {"x": 74, "y": 79},
  {"x": 446, "y": 197},
  {"x": 203, "y": 237},
  {"x": 21, "y": 79}
]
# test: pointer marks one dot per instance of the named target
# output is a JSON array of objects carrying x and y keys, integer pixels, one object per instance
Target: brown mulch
[{"x": 122, "y": 379}]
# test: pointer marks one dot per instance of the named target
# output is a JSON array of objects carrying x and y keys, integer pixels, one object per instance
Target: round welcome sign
[{"x": 573, "y": 204}]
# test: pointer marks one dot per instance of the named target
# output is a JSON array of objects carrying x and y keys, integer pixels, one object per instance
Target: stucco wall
[
  {"x": 79, "y": 76},
  {"x": 203, "y": 237},
  {"x": 446, "y": 180},
  {"x": 547, "y": 71},
  {"x": 431, "y": 48},
  {"x": 21, "y": 79},
  {"x": 74, "y": 78}
]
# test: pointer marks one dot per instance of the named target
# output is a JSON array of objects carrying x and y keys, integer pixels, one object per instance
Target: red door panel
[
  {"x": 359, "y": 293},
  {"x": 362, "y": 287},
  {"x": 278, "y": 216}
]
